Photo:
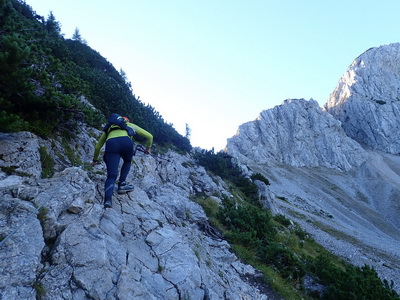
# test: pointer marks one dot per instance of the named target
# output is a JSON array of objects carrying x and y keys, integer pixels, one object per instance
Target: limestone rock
[
  {"x": 297, "y": 133},
  {"x": 150, "y": 245},
  {"x": 20, "y": 248},
  {"x": 367, "y": 99},
  {"x": 15, "y": 145}
]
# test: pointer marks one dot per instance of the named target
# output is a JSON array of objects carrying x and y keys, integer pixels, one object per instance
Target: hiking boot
[
  {"x": 107, "y": 204},
  {"x": 124, "y": 188}
]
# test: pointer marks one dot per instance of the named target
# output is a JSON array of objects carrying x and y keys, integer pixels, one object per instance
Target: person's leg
[
  {"x": 111, "y": 158},
  {"x": 112, "y": 162},
  {"x": 126, "y": 154}
]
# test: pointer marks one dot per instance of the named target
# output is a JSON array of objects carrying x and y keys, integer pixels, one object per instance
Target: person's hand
[
  {"x": 147, "y": 151},
  {"x": 95, "y": 162}
]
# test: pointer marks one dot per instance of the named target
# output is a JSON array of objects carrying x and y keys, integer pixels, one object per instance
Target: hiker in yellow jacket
[{"x": 119, "y": 145}]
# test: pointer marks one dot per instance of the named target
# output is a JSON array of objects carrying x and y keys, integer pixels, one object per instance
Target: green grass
[
  {"x": 12, "y": 170},
  {"x": 285, "y": 253},
  {"x": 47, "y": 163},
  {"x": 40, "y": 290}
]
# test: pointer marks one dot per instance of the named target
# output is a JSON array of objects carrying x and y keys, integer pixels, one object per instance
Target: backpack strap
[{"x": 115, "y": 121}]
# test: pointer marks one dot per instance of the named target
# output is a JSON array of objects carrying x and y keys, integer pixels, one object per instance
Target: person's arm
[
  {"x": 98, "y": 147},
  {"x": 145, "y": 134}
]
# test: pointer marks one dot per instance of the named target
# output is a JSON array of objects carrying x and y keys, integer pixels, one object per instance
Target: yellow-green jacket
[{"x": 121, "y": 132}]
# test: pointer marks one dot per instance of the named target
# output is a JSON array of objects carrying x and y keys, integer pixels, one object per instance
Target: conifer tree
[
  {"x": 53, "y": 27},
  {"x": 188, "y": 131},
  {"x": 78, "y": 37}
]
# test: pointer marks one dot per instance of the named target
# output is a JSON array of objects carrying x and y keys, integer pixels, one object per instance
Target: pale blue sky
[{"x": 216, "y": 64}]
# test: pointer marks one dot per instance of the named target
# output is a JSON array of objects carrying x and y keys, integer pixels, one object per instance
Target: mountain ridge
[
  {"x": 359, "y": 174},
  {"x": 366, "y": 99}
]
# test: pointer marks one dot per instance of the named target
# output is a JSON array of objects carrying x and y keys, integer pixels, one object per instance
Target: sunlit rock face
[
  {"x": 367, "y": 101},
  {"x": 336, "y": 169},
  {"x": 298, "y": 133},
  {"x": 58, "y": 242}
]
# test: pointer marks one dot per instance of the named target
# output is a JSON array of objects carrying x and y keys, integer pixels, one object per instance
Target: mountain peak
[
  {"x": 298, "y": 133},
  {"x": 366, "y": 99}
]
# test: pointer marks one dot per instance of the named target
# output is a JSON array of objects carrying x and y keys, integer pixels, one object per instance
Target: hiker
[{"x": 119, "y": 145}]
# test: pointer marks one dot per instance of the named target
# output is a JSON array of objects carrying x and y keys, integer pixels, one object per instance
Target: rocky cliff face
[
  {"x": 336, "y": 171},
  {"x": 367, "y": 99},
  {"x": 297, "y": 133},
  {"x": 346, "y": 196},
  {"x": 155, "y": 243}
]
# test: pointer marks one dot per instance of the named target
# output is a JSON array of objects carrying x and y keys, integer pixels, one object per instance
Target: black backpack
[{"x": 115, "y": 121}]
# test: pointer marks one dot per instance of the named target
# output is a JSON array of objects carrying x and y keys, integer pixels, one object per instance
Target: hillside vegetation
[
  {"x": 292, "y": 262},
  {"x": 46, "y": 81}
]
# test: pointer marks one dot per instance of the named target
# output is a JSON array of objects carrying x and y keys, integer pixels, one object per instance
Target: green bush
[
  {"x": 282, "y": 220},
  {"x": 283, "y": 259},
  {"x": 210, "y": 206},
  {"x": 350, "y": 282},
  {"x": 11, "y": 122},
  {"x": 258, "y": 176},
  {"x": 47, "y": 163},
  {"x": 240, "y": 218},
  {"x": 221, "y": 164}
]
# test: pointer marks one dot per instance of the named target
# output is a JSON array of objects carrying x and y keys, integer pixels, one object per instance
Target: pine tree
[
  {"x": 14, "y": 66},
  {"x": 78, "y": 37},
  {"x": 188, "y": 131},
  {"x": 53, "y": 27}
]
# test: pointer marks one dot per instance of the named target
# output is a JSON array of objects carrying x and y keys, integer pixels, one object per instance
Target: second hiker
[{"x": 118, "y": 145}]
